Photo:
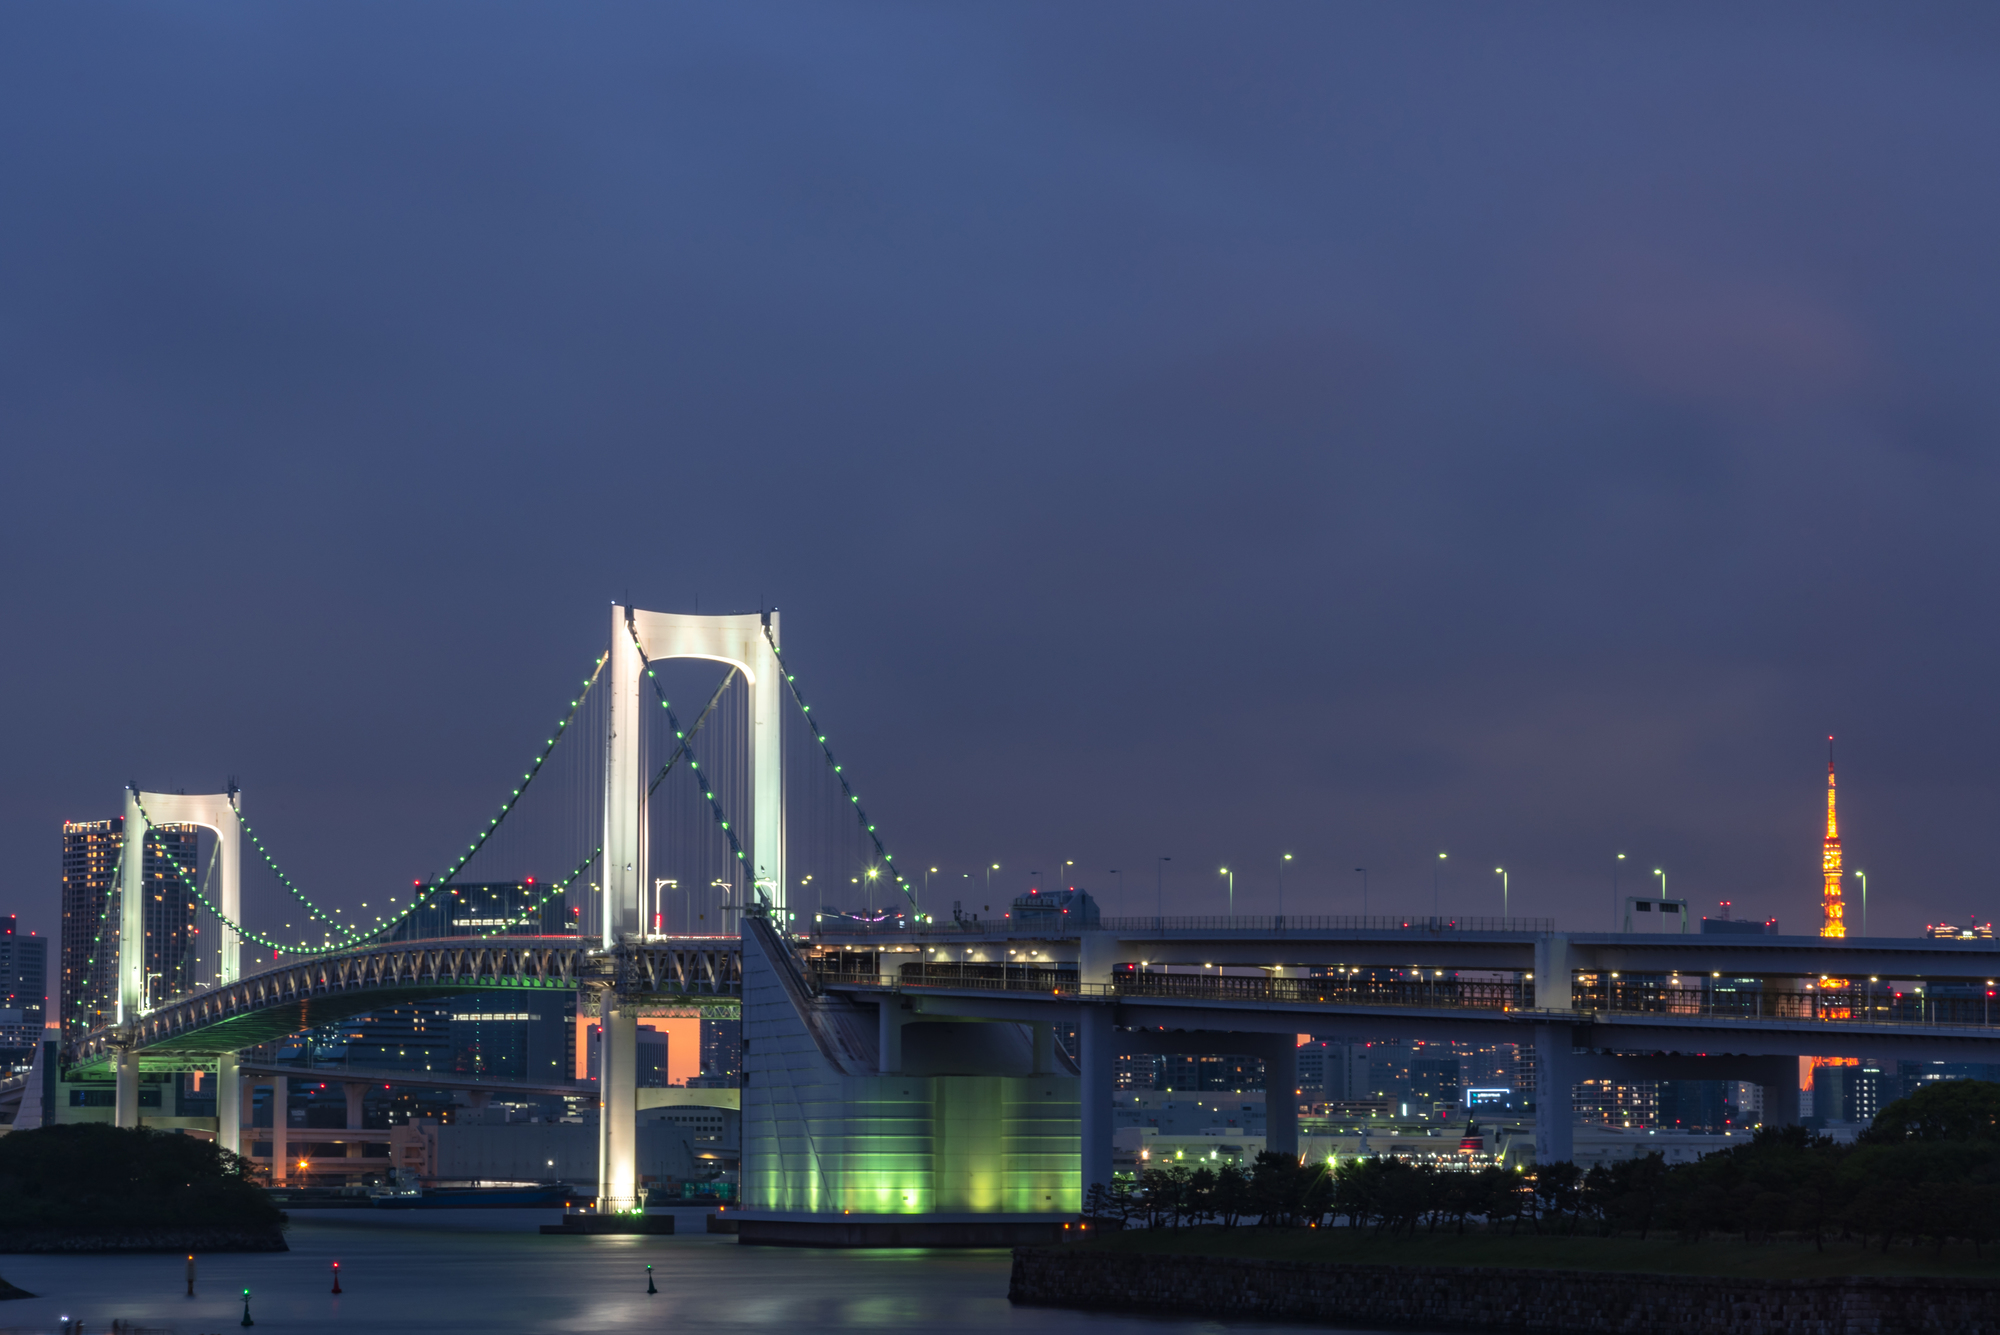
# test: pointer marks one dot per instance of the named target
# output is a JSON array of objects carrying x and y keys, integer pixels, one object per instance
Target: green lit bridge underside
[{"x": 328, "y": 989}]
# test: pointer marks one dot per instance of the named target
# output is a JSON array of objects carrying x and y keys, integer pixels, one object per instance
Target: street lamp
[
  {"x": 1663, "y": 887},
  {"x": 1160, "y": 884},
  {"x": 1281, "y": 883},
  {"x": 1232, "y": 891},
  {"x": 1363, "y": 871},
  {"x": 1436, "y": 868},
  {"x": 1502, "y": 873},
  {"x": 1864, "y": 900},
  {"x": 1615, "y": 868}
]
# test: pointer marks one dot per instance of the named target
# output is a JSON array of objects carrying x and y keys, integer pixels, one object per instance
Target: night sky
[{"x": 1206, "y": 430}]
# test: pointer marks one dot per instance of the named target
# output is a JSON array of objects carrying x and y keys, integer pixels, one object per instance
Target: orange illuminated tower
[{"x": 1832, "y": 910}]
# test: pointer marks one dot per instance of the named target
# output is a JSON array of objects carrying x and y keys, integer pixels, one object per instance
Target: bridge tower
[
  {"x": 215, "y": 812},
  {"x": 743, "y": 641}
]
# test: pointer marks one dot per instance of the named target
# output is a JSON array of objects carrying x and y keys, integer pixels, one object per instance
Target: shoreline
[{"x": 1480, "y": 1298}]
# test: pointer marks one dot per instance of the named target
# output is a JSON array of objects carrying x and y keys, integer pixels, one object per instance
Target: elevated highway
[{"x": 1638, "y": 1006}]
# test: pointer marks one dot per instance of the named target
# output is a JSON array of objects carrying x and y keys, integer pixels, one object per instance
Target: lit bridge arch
[{"x": 194, "y": 1030}]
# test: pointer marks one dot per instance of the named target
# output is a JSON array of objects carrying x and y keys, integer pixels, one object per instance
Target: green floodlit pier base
[{"x": 837, "y": 1152}]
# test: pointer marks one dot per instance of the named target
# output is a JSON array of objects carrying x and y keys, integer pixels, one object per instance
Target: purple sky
[{"x": 1213, "y": 430}]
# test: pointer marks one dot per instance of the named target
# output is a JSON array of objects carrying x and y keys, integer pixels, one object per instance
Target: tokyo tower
[{"x": 1833, "y": 911}]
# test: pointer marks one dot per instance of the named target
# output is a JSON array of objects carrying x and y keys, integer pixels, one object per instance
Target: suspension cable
[
  {"x": 351, "y": 934},
  {"x": 687, "y": 740},
  {"x": 721, "y": 817},
  {"x": 903, "y": 882}
]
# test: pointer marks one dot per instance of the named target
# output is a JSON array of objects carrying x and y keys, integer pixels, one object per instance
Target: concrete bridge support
[
  {"x": 1781, "y": 1092},
  {"x": 1281, "y": 1095},
  {"x": 890, "y": 1019},
  {"x": 355, "y": 1091},
  {"x": 1555, "y": 1073},
  {"x": 281, "y": 1119},
  {"x": 126, "y": 1111},
  {"x": 229, "y": 1104},
  {"x": 618, "y": 1107},
  {"x": 1097, "y": 1055}
]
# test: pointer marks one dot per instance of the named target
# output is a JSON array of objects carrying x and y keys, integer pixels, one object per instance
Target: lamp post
[
  {"x": 1502, "y": 873},
  {"x": 1615, "y": 867},
  {"x": 1232, "y": 891},
  {"x": 1160, "y": 886},
  {"x": 1364, "y": 890},
  {"x": 1121, "y": 887},
  {"x": 1436, "y": 868},
  {"x": 1281, "y": 883},
  {"x": 1663, "y": 886},
  {"x": 1864, "y": 900}
]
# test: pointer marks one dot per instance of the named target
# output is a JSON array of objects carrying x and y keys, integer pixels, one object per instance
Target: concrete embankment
[
  {"x": 193, "y": 1238},
  {"x": 1489, "y": 1298}
]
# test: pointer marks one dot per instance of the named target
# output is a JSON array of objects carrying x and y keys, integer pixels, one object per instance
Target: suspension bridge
[{"x": 905, "y": 1074}]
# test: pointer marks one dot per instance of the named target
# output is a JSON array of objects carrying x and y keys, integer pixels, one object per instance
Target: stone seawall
[
  {"x": 1562, "y": 1302},
  {"x": 193, "y": 1238}
]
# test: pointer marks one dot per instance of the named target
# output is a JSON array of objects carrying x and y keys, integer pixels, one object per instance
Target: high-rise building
[
  {"x": 24, "y": 988},
  {"x": 88, "y": 995},
  {"x": 722, "y": 1048},
  {"x": 1833, "y": 909}
]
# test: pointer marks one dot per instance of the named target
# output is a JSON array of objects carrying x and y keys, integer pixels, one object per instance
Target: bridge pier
[
  {"x": 889, "y": 1020},
  {"x": 354, "y": 1090},
  {"x": 229, "y": 1104},
  {"x": 1555, "y": 1074},
  {"x": 1097, "y": 1054},
  {"x": 618, "y": 1106},
  {"x": 1281, "y": 1096},
  {"x": 126, "y": 1112},
  {"x": 1781, "y": 1092},
  {"x": 281, "y": 1116}
]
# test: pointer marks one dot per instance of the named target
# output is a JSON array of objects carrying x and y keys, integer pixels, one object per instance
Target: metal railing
[
  {"x": 1063, "y": 925},
  {"x": 1621, "y": 999},
  {"x": 1856, "y": 1006},
  {"x": 1282, "y": 923}
]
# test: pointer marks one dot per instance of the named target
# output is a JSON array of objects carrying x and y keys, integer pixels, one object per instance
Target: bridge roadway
[
  {"x": 1593, "y": 1005},
  {"x": 193, "y": 1031}
]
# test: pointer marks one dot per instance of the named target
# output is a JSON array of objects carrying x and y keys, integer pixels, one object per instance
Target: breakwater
[
  {"x": 189, "y": 1238},
  {"x": 1561, "y": 1302}
]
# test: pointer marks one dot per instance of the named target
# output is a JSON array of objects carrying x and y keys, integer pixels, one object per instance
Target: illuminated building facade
[
  {"x": 1833, "y": 909},
  {"x": 88, "y": 994},
  {"x": 24, "y": 985}
]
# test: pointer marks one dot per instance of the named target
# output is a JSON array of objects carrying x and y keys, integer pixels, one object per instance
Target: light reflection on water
[{"x": 486, "y": 1270}]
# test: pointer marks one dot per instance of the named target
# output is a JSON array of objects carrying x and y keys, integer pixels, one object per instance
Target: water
[{"x": 489, "y": 1270}]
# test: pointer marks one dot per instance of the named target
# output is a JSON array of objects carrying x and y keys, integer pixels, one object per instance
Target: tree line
[{"x": 1927, "y": 1171}]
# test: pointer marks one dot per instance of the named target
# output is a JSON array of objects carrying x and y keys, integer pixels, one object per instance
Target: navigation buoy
[
  {"x": 649, "y": 1280},
  {"x": 246, "y": 1309},
  {"x": 190, "y": 1274},
  {"x": 336, "y": 1277}
]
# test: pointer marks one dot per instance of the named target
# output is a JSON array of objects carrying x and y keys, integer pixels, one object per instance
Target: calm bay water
[{"x": 489, "y": 1270}]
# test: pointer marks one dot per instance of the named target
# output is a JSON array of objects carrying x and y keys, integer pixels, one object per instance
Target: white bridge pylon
[
  {"x": 211, "y": 811},
  {"x": 740, "y": 642},
  {"x": 637, "y": 638}
]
